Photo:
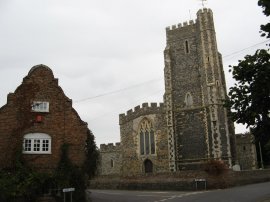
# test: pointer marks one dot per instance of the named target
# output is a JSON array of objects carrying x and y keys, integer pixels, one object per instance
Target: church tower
[{"x": 197, "y": 124}]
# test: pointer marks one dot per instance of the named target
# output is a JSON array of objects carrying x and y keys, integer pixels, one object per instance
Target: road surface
[{"x": 249, "y": 193}]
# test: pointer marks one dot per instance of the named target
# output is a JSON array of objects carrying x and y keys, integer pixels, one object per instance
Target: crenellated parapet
[
  {"x": 110, "y": 147},
  {"x": 186, "y": 28},
  {"x": 205, "y": 11},
  {"x": 186, "y": 24},
  {"x": 180, "y": 25},
  {"x": 143, "y": 110},
  {"x": 201, "y": 12}
]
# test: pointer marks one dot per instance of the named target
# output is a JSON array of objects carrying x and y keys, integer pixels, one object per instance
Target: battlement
[
  {"x": 110, "y": 147},
  {"x": 180, "y": 25},
  {"x": 145, "y": 109},
  {"x": 190, "y": 22},
  {"x": 247, "y": 137},
  {"x": 205, "y": 11}
]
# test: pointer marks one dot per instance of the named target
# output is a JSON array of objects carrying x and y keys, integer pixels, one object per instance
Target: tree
[
  {"x": 265, "y": 4},
  {"x": 69, "y": 175},
  {"x": 249, "y": 98},
  {"x": 92, "y": 155}
]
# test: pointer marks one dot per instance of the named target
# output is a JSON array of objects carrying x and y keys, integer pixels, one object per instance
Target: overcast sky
[{"x": 95, "y": 47}]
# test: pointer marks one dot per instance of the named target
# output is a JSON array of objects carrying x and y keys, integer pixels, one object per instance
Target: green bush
[
  {"x": 67, "y": 175},
  {"x": 21, "y": 183}
]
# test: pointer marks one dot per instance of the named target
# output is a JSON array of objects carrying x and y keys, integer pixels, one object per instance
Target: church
[{"x": 191, "y": 126}]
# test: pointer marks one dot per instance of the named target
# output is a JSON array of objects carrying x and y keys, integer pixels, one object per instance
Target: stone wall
[
  {"x": 184, "y": 180},
  {"x": 110, "y": 159},
  {"x": 61, "y": 123},
  {"x": 246, "y": 151},
  {"x": 132, "y": 160}
]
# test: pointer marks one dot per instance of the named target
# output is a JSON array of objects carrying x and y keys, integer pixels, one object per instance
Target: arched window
[
  {"x": 147, "y": 138},
  {"x": 37, "y": 143},
  {"x": 188, "y": 100}
]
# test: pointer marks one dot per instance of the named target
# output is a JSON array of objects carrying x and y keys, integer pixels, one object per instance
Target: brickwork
[{"x": 61, "y": 123}]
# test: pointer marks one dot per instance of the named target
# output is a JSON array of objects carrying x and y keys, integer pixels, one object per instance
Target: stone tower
[{"x": 197, "y": 124}]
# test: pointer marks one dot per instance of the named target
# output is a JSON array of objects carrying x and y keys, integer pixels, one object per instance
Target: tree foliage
[
  {"x": 21, "y": 183},
  {"x": 249, "y": 98},
  {"x": 265, "y": 4},
  {"x": 215, "y": 167},
  {"x": 92, "y": 155},
  {"x": 68, "y": 175}
]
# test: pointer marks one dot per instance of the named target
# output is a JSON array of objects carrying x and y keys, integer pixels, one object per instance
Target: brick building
[
  {"x": 37, "y": 120},
  {"x": 191, "y": 126}
]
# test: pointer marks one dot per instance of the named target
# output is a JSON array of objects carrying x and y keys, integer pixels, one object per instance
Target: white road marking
[
  {"x": 181, "y": 195},
  {"x": 102, "y": 192},
  {"x": 142, "y": 195},
  {"x": 165, "y": 197}
]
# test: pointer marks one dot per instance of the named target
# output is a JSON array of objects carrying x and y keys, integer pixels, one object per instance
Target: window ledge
[
  {"x": 39, "y": 153},
  {"x": 146, "y": 155}
]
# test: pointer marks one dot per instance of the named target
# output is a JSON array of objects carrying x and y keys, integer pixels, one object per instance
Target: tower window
[
  {"x": 147, "y": 138},
  {"x": 188, "y": 100},
  {"x": 112, "y": 163},
  {"x": 187, "y": 46}
]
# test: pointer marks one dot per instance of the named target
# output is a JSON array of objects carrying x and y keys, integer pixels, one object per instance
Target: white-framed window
[
  {"x": 147, "y": 138},
  {"x": 37, "y": 143},
  {"x": 40, "y": 106}
]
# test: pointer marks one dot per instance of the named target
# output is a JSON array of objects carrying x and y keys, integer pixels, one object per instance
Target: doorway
[{"x": 148, "y": 166}]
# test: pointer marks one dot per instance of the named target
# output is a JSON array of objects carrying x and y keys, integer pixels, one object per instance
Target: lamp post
[{"x": 261, "y": 155}]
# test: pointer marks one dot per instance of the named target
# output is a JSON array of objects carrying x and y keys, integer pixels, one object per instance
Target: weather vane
[{"x": 203, "y": 2}]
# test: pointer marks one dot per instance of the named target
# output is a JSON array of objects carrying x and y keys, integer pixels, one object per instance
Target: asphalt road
[{"x": 249, "y": 193}]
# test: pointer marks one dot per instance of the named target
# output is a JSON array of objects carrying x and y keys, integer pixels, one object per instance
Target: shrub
[{"x": 215, "y": 167}]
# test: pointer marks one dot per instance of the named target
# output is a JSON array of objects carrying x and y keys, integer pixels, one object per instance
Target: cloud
[{"x": 99, "y": 46}]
